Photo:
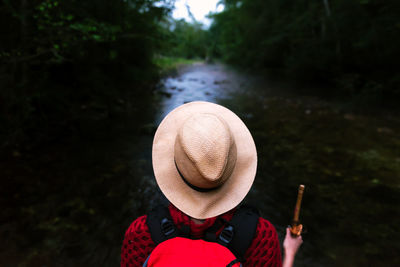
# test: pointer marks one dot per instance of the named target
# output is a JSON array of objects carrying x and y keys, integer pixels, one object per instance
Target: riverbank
[
  {"x": 69, "y": 201},
  {"x": 171, "y": 65},
  {"x": 350, "y": 165}
]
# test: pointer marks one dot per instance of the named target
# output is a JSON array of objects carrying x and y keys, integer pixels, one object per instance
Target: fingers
[{"x": 289, "y": 235}]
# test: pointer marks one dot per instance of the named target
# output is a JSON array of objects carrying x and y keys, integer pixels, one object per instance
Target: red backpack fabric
[
  {"x": 138, "y": 244},
  {"x": 225, "y": 247},
  {"x": 183, "y": 252}
]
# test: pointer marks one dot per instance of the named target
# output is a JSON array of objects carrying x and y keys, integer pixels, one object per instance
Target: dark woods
[
  {"x": 67, "y": 61},
  {"x": 80, "y": 97},
  {"x": 64, "y": 61},
  {"x": 351, "y": 44}
]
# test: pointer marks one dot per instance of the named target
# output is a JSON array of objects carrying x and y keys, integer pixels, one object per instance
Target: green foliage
[
  {"x": 70, "y": 60},
  {"x": 184, "y": 39},
  {"x": 171, "y": 64},
  {"x": 325, "y": 40}
]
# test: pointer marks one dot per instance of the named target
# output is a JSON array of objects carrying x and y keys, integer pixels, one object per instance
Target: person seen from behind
[{"x": 204, "y": 161}]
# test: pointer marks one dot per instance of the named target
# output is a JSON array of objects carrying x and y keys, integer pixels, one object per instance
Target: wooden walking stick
[{"x": 296, "y": 227}]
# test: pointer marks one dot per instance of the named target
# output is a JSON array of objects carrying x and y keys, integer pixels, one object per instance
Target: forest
[
  {"x": 61, "y": 57},
  {"x": 353, "y": 45},
  {"x": 84, "y": 84}
]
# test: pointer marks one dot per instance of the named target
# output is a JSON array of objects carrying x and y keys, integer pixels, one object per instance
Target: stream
[{"x": 70, "y": 203}]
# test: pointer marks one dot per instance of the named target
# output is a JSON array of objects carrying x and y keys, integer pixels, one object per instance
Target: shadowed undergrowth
[{"x": 350, "y": 165}]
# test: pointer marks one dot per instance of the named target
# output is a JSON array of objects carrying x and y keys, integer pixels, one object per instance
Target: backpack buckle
[
  {"x": 226, "y": 235},
  {"x": 167, "y": 227}
]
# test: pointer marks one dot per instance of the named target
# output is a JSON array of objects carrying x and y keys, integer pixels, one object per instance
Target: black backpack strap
[
  {"x": 161, "y": 225},
  {"x": 233, "y": 263},
  {"x": 210, "y": 234},
  {"x": 240, "y": 232}
]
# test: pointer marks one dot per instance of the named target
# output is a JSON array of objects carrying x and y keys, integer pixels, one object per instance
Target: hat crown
[{"x": 205, "y": 151}]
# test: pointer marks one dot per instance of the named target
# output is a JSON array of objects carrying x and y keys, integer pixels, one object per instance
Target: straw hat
[{"x": 204, "y": 159}]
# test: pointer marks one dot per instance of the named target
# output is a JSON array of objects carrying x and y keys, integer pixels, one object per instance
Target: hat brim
[{"x": 202, "y": 205}]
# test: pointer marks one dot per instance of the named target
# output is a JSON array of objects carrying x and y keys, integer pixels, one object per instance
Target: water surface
[{"x": 70, "y": 203}]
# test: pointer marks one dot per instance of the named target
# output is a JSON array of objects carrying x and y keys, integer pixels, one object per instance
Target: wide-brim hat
[{"x": 204, "y": 159}]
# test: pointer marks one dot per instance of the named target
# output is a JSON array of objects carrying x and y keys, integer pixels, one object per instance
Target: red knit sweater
[{"x": 263, "y": 251}]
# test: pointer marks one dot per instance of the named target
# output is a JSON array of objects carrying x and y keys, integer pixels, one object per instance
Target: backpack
[{"x": 174, "y": 247}]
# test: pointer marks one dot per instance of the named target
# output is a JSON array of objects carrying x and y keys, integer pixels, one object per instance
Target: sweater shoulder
[
  {"x": 138, "y": 226},
  {"x": 264, "y": 249},
  {"x": 137, "y": 244}
]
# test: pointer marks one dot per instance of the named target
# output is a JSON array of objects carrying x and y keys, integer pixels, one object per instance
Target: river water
[
  {"x": 198, "y": 82},
  {"x": 70, "y": 203}
]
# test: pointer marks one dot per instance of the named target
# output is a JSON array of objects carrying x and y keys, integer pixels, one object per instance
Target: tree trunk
[
  {"x": 327, "y": 8},
  {"x": 24, "y": 40}
]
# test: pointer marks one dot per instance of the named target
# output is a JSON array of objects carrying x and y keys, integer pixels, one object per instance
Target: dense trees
[
  {"x": 75, "y": 171},
  {"x": 351, "y": 43},
  {"x": 64, "y": 60},
  {"x": 184, "y": 39}
]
